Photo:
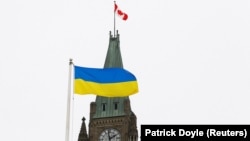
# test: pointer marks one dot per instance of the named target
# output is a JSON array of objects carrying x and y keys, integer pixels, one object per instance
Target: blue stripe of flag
[{"x": 105, "y": 75}]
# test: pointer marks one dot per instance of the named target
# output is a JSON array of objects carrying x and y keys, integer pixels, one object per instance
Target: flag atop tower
[{"x": 120, "y": 13}]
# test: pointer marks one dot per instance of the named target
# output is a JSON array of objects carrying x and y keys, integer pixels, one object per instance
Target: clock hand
[
  {"x": 113, "y": 136},
  {"x": 109, "y": 135}
]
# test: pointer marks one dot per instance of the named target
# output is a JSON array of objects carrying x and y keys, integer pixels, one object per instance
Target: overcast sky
[{"x": 191, "y": 59}]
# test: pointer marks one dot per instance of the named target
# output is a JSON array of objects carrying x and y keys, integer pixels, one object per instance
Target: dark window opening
[
  {"x": 116, "y": 105},
  {"x": 103, "y": 106}
]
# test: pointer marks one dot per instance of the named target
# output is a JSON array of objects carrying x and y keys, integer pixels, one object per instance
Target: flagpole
[
  {"x": 68, "y": 102},
  {"x": 114, "y": 18}
]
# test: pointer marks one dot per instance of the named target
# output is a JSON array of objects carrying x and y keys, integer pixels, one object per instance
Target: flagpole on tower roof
[
  {"x": 114, "y": 17},
  {"x": 120, "y": 13}
]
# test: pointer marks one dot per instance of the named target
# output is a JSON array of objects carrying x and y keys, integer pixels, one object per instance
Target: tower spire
[
  {"x": 83, "y": 136},
  {"x": 111, "y": 114}
]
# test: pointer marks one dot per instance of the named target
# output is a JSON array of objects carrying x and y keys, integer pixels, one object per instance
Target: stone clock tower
[{"x": 111, "y": 119}]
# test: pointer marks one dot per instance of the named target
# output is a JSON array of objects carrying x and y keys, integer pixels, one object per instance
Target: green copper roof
[
  {"x": 113, "y": 58},
  {"x": 110, "y": 107}
]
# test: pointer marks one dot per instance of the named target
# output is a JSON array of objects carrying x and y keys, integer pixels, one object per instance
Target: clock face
[{"x": 110, "y": 135}]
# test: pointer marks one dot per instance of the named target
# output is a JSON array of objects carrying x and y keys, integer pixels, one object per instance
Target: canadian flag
[{"x": 121, "y": 14}]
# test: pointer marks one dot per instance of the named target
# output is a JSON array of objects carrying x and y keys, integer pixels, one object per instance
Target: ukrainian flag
[{"x": 108, "y": 82}]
